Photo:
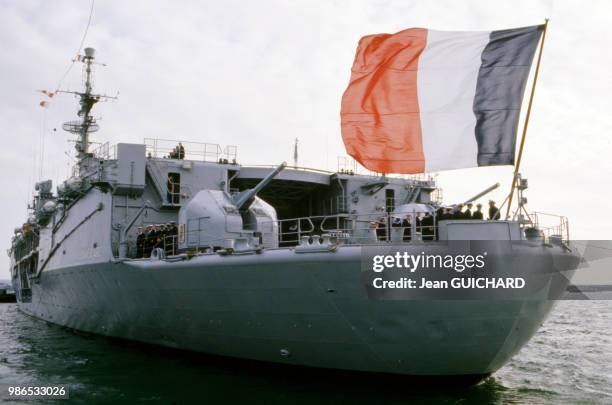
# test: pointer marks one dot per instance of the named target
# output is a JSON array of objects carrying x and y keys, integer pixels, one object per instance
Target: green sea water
[{"x": 568, "y": 361}]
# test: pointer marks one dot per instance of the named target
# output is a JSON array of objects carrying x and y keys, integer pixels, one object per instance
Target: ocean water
[{"x": 568, "y": 361}]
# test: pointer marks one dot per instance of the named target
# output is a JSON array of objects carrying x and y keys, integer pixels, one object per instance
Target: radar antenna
[{"x": 87, "y": 124}]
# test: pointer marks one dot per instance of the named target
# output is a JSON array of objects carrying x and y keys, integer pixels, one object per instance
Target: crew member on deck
[
  {"x": 407, "y": 225},
  {"x": 427, "y": 227},
  {"x": 172, "y": 233},
  {"x": 467, "y": 214},
  {"x": 447, "y": 213},
  {"x": 381, "y": 229},
  {"x": 458, "y": 214},
  {"x": 478, "y": 213},
  {"x": 140, "y": 242},
  {"x": 161, "y": 236},
  {"x": 493, "y": 211},
  {"x": 172, "y": 229},
  {"x": 148, "y": 242},
  {"x": 154, "y": 237}
]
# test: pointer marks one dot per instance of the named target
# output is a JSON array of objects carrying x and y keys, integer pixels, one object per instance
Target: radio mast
[{"x": 87, "y": 124}]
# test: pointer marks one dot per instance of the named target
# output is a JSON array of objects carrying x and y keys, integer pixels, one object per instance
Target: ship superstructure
[{"x": 259, "y": 262}]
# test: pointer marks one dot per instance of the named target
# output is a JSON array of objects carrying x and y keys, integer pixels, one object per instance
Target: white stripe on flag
[{"x": 446, "y": 84}]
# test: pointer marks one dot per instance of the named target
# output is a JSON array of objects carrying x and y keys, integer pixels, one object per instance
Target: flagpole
[{"x": 526, "y": 124}]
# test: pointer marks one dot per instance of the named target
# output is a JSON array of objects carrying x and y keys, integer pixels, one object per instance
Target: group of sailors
[
  {"x": 426, "y": 223},
  {"x": 178, "y": 152},
  {"x": 156, "y": 236},
  {"x": 458, "y": 212}
]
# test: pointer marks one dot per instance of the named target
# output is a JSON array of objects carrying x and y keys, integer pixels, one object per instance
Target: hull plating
[{"x": 304, "y": 309}]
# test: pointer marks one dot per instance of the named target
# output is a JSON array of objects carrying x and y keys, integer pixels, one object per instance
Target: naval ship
[{"x": 261, "y": 262}]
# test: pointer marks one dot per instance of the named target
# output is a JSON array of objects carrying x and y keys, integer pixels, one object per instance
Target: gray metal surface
[
  {"x": 263, "y": 306},
  {"x": 292, "y": 174}
]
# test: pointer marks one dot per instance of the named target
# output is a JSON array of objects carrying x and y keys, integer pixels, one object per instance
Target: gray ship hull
[{"x": 279, "y": 306}]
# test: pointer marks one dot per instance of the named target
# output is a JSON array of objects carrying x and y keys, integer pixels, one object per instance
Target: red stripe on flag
[{"x": 380, "y": 120}]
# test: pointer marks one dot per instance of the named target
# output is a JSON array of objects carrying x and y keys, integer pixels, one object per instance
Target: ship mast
[
  {"x": 82, "y": 128},
  {"x": 87, "y": 102}
]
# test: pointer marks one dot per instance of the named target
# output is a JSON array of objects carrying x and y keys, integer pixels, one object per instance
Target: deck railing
[
  {"x": 550, "y": 225},
  {"x": 372, "y": 228},
  {"x": 394, "y": 227},
  {"x": 170, "y": 244},
  {"x": 105, "y": 151},
  {"x": 203, "y": 151},
  {"x": 348, "y": 165},
  {"x": 363, "y": 228}
]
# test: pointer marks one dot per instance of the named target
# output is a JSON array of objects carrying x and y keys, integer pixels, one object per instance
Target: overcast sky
[{"x": 258, "y": 74}]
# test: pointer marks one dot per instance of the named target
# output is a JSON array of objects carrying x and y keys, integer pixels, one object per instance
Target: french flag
[{"x": 422, "y": 100}]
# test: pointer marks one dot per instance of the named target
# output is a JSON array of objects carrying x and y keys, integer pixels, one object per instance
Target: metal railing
[
  {"x": 105, "y": 151},
  {"x": 348, "y": 165},
  {"x": 170, "y": 191},
  {"x": 207, "y": 152},
  {"x": 437, "y": 196},
  {"x": 371, "y": 228},
  {"x": 173, "y": 191},
  {"x": 25, "y": 246},
  {"x": 381, "y": 227},
  {"x": 550, "y": 225},
  {"x": 338, "y": 205},
  {"x": 170, "y": 244},
  {"x": 359, "y": 228}
]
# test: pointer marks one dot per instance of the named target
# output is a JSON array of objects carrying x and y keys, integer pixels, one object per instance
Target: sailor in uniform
[
  {"x": 140, "y": 242},
  {"x": 407, "y": 225},
  {"x": 427, "y": 227},
  {"x": 458, "y": 214},
  {"x": 150, "y": 240},
  {"x": 493, "y": 211},
  {"x": 478, "y": 213},
  {"x": 467, "y": 214},
  {"x": 172, "y": 232}
]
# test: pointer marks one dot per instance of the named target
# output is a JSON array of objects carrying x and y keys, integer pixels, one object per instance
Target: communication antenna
[
  {"x": 295, "y": 153},
  {"x": 87, "y": 124}
]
